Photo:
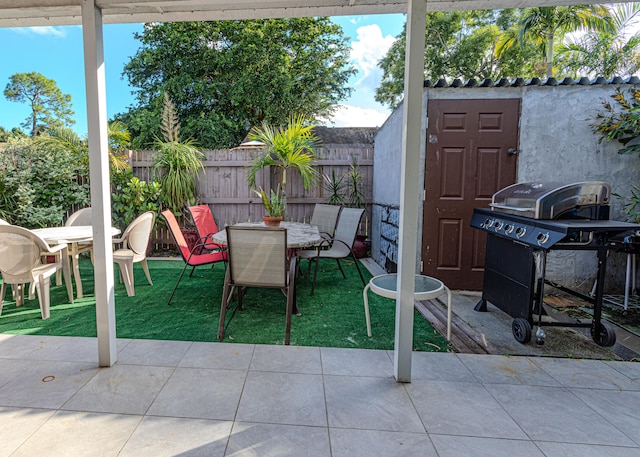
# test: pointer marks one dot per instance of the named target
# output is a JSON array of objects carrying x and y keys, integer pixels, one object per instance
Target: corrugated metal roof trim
[{"x": 519, "y": 82}]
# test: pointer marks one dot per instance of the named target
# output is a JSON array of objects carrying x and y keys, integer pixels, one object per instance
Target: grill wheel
[
  {"x": 606, "y": 337},
  {"x": 521, "y": 329}
]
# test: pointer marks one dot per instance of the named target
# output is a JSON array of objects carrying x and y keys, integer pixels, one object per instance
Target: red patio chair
[
  {"x": 205, "y": 225},
  {"x": 193, "y": 257}
]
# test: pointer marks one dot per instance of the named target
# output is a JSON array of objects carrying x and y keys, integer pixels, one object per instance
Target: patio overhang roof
[
  {"x": 29, "y": 13},
  {"x": 92, "y": 14}
]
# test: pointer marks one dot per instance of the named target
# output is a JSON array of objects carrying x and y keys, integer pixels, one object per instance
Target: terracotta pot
[
  {"x": 360, "y": 246},
  {"x": 272, "y": 221}
]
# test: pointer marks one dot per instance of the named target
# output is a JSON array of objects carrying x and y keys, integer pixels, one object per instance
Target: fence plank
[{"x": 223, "y": 183}]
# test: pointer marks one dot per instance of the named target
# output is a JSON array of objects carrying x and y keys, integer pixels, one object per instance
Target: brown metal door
[{"x": 471, "y": 153}]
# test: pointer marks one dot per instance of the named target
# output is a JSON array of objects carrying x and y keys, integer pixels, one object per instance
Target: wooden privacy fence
[{"x": 223, "y": 184}]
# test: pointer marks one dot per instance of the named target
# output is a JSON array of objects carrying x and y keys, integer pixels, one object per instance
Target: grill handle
[{"x": 511, "y": 208}]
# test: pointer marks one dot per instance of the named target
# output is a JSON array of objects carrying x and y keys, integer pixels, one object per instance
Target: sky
[{"x": 57, "y": 53}]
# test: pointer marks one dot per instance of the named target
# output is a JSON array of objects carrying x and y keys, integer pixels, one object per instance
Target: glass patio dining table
[{"x": 71, "y": 235}]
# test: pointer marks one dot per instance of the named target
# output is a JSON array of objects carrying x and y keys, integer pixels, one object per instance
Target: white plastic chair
[
  {"x": 135, "y": 241},
  {"x": 21, "y": 254}
]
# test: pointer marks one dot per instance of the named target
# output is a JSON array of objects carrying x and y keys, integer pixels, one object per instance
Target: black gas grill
[{"x": 524, "y": 223}]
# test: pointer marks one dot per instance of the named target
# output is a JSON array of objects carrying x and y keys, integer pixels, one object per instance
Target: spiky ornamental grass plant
[
  {"x": 292, "y": 146},
  {"x": 177, "y": 162}
]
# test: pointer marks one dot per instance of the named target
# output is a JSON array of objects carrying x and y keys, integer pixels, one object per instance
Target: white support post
[
  {"x": 410, "y": 191},
  {"x": 99, "y": 175}
]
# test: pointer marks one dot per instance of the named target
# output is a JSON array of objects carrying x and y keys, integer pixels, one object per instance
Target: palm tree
[
  {"x": 543, "y": 25},
  {"x": 607, "y": 54},
  {"x": 64, "y": 138},
  {"x": 292, "y": 146},
  {"x": 177, "y": 162}
]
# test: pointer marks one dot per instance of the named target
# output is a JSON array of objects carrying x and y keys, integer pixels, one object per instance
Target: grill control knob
[
  {"x": 489, "y": 223},
  {"x": 508, "y": 229},
  {"x": 542, "y": 238},
  {"x": 499, "y": 225},
  {"x": 520, "y": 231}
]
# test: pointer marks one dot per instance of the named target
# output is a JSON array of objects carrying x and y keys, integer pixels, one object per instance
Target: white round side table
[{"x": 426, "y": 288}]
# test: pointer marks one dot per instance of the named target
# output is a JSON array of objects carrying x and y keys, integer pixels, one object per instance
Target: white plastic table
[
  {"x": 72, "y": 235},
  {"x": 426, "y": 288}
]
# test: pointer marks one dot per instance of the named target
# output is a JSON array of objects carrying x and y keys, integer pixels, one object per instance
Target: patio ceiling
[{"x": 27, "y": 13}]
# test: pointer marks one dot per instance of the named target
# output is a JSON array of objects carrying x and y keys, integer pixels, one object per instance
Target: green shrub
[
  {"x": 131, "y": 197},
  {"x": 38, "y": 185}
]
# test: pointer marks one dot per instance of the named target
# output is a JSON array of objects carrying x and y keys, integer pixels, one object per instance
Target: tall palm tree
[
  {"x": 292, "y": 146},
  {"x": 177, "y": 162},
  {"x": 65, "y": 138},
  {"x": 544, "y": 25},
  {"x": 606, "y": 54}
]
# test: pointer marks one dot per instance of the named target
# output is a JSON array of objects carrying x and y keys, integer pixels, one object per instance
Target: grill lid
[{"x": 554, "y": 200}]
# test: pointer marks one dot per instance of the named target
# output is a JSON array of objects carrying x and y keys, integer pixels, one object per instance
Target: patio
[{"x": 219, "y": 399}]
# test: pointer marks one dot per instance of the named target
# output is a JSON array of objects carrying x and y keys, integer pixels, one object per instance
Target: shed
[{"x": 541, "y": 132}]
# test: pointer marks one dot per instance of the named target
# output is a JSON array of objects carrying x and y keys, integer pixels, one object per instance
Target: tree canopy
[
  {"x": 225, "y": 77},
  {"x": 514, "y": 43},
  {"x": 50, "y": 108},
  {"x": 605, "y": 53},
  {"x": 459, "y": 44}
]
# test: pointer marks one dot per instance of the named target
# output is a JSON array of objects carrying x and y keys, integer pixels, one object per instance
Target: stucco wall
[{"x": 556, "y": 143}]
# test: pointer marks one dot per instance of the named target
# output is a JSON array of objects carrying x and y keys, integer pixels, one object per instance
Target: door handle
[{"x": 512, "y": 151}]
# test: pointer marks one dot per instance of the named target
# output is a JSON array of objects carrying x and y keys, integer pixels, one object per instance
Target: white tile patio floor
[{"x": 171, "y": 398}]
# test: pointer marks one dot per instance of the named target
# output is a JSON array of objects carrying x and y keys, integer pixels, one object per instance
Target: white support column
[
  {"x": 99, "y": 175},
  {"x": 410, "y": 190}
]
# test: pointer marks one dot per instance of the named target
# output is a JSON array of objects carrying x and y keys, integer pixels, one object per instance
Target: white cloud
[
  {"x": 355, "y": 116},
  {"x": 41, "y": 31},
  {"x": 366, "y": 50}
]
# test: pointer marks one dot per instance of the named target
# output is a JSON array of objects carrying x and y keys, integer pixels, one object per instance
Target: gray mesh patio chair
[
  {"x": 339, "y": 247},
  {"x": 325, "y": 218},
  {"x": 257, "y": 257}
]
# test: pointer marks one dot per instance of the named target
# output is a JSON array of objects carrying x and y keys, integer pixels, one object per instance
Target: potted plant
[
  {"x": 273, "y": 203},
  {"x": 292, "y": 146}
]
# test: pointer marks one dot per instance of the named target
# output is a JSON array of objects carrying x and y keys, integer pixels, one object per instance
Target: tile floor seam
[
  {"x": 164, "y": 384},
  {"x": 415, "y": 409},
  {"x": 475, "y": 376},
  {"x": 133, "y": 431},
  {"x": 96, "y": 372},
  {"x": 631, "y": 438},
  {"x": 515, "y": 421}
]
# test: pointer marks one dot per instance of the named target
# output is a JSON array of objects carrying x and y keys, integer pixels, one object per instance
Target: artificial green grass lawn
[{"x": 333, "y": 317}]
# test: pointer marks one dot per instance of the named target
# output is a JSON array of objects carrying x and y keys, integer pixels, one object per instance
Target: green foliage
[
  {"x": 356, "y": 195},
  {"x": 176, "y": 162},
  {"x": 38, "y": 184},
  {"x": 631, "y": 204},
  {"x": 49, "y": 106},
  {"x": 291, "y": 146},
  {"x": 505, "y": 43},
  {"x": 273, "y": 202},
  {"x": 605, "y": 53},
  {"x": 621, "y": 121},
  {"x": 131, "y": 197},
  {"x": 335, "y": 186},
  {"x": 458, "y": 44},
  {"x": 346, "y": 189},
  {"x": 545, "y": 25},
  {"x": 65, "y": 139},
  {"x": 226, "y": 76}
]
